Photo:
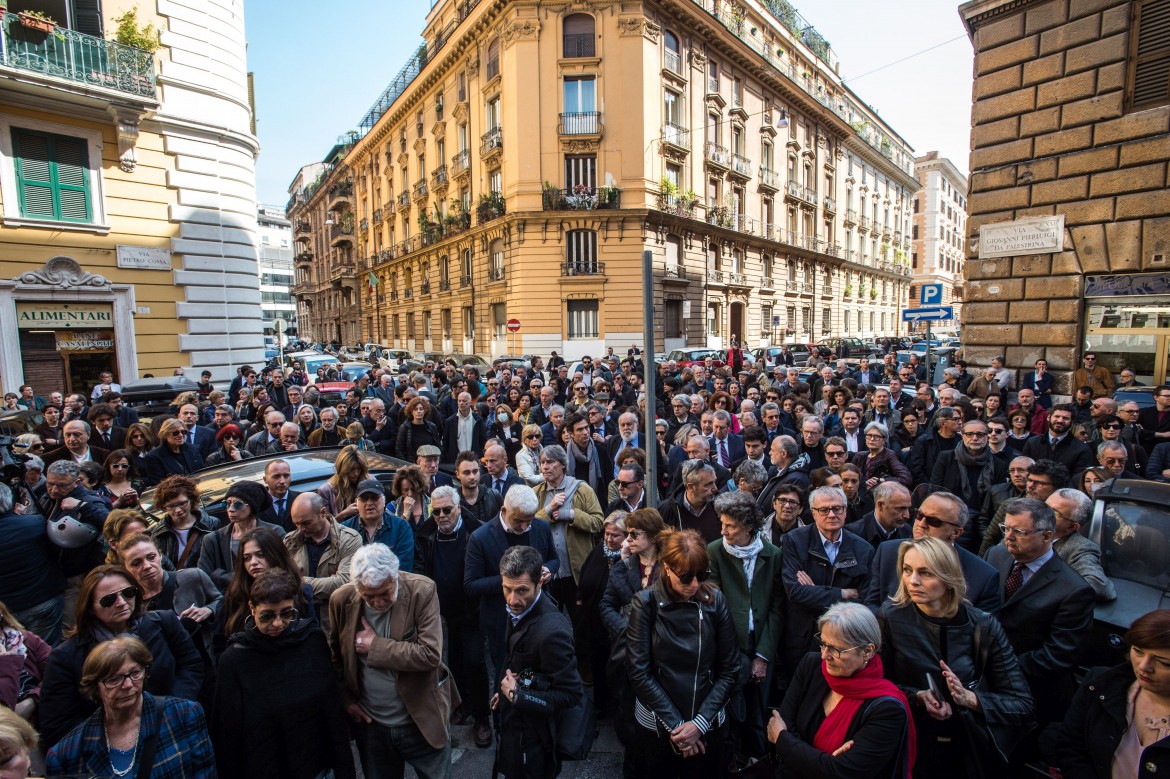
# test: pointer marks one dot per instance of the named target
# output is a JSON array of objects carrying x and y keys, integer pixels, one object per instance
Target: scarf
[
  {"x": 983, "y": 461},
  {"x": 610, "y": 557},
  {"x": 101, "y": 633},
  {"x": 13, "y": 641},
  {"x": 590, "y": 454},
  {"x": 748, "y": 555},
  {"x": 855, "y": 691}
]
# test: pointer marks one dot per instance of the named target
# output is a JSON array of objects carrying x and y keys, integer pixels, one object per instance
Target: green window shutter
[{"x": 52, "y": 176}]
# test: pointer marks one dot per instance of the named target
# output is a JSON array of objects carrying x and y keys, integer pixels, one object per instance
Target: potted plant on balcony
[
  {"x": 128, "y": 32},
  {"x": 582, "y": 198},
  {"x": 667, "y": 195},
  {"x": 35, "y": 20},
  {"x": 607, "y": 196},
  {"x": 848, "y": 290},
  {"x": 490, "y": 207},
  {"x": 551, "y": 194},
  {"x": 873, "y": 293}
]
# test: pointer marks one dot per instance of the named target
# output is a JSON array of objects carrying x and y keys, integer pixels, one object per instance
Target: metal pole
[
  {"x": 651, "y": 375},
  {"x": 929, "y": 373}
]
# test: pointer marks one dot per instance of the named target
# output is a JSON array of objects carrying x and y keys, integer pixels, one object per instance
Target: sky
[{"x": 315, "y": 79}]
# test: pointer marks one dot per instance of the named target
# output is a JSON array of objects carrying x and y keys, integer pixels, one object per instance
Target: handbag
[{"x": 983, "y": 749}]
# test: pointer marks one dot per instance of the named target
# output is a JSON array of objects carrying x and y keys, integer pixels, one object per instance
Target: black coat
[
  {"x": 625, "y": 581},
  {"x": 278, "y": 711},
  {"x": 682, "y": 655},
  {"x": 1048, "y": 622},
  {"x": 412, "y": 436},
  {"x": 878, "y": 732},
  {"x": 161, "y": 462},
  {"x": 803, "y": 551},
  {"x": 868, "y": 528},
  {"x": 176, "y": 669},
  {"x": 925, "y": 452},
  {"x": 1095, "y": 724},
  {"x": 1070, "y": 452},
  {"x": 450, "y": 445},
  {"x": 284, "y": 518}
]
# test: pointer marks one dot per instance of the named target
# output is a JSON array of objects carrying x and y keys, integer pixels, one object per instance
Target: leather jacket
[{"x": 683, "y": 656}]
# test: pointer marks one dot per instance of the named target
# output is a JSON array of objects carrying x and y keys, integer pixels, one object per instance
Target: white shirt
[
  {"x": 466, "y": 431},
  {"x": 831, "y": 547}
]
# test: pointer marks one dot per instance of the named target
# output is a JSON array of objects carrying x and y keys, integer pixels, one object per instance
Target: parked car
[
  {"x": 854, "y": 347},
  {"x": 150, "y": 397},
  {"x": 418, "y": 360},
  {"x": 1131, "y": 525},
  {"x": 688, "y": 357},
  {"x": 800, "y": 354},
  {"x": 1143, "y": 396},
  {"x": 310, "y": 469},
  {"x": 333, "y": 392}
]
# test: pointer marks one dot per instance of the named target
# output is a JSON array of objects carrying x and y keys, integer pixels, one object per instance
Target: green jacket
[
  {"x": 585, "y": 524},
  {"x": 766, "y": 599}
]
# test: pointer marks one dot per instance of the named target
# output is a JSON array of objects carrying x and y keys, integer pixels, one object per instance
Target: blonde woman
[
  {"x": 355, "y": 435},
  {"x": 340, "y": 492},
  {"x": 173, "y": 455},
  {"x": 528, "y": 458}
]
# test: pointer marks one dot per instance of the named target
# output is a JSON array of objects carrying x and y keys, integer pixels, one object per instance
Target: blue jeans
[
  {"x": 384, "y": 752},
  {"x": 44, "y": 619}
]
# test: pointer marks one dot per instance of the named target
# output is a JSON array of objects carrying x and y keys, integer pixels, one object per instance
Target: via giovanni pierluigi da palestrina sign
[{"x": 59, "y": 315}]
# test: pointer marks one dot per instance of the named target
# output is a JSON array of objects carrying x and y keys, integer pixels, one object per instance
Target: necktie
[
  {"x": 106, "y": 440},
  {"x": 280, "y": 507},
  {"x": 1015, "y": 581},
  {"x": 723, "y": 458},
  {"x": 499, "y": 487},
  {"x": 191, "y": 438}
]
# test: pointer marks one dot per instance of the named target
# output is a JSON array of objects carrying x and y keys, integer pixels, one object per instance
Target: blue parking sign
[{"x": 931, "y": 295}]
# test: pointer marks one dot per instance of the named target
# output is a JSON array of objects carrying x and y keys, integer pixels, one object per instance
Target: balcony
[
  {"x": 864, "y": 225},
  {"x": 404, "y": 200},
  {"x": 341, "y": 273},
  {"x": 492, "y": 69},
  {"x": 364, "y": 224},
  {"x": 491, "y": 143},
  {"x": 305, "y": 258},
  {"x": 461, "y": 163},
  {"x": 445, "y": 285},
  {"x": 581, "y": 198},
  {"x": 803, "y": 194},
  {"x": 716, "y": 278},
  {"x": 496, "y": 273},
  {"x": 420, "y": 189},
  {"x": 408, "y": 293},
  {"x": 741, "y": 167},
  {"x": 439, "y": 177},
  {"x": 304, "y": 227},
  {"x": 339, "y": 196},
  {"x": 393, "y": 296},
  {"x": 767, "y": 283},
  {"x": 64, "y": 54},
  {"x": 674, "y": 203},
  {"x": 830, "y": 205},
  {"x": 677, "y": 137},
  {"x": 770, "y": 179},
  {"x": 580, "y": 123},
  {"x": 491, "y": 206},
  {"x": 898, "y": 237},
  {"x": 746, "y": 224},
  {"x": 464, "y": 281},
  {"x": 672, "y": 61},
  {"x": 674, "y": 272},
  {"x": 718, "y": 155},
  {"x": 850, "y": 217},
  {"x": 574, "y": 46},
  {"x": 341, "y": 232},
  {"x": 426, "y": 287},
  {"x": 583, "y": 268},
  {"x": 377, "y": 216}
]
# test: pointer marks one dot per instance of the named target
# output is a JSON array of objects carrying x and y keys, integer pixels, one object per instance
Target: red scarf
[{"x": 855, "y": 691}]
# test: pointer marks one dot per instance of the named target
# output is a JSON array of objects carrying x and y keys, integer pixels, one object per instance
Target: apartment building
[
  {"x": 528, "y": 153},
  {"x": 938, "y": 234},
  {"x": 276, "y": 270}
]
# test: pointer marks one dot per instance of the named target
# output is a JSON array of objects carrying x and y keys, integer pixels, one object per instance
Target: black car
[
  {"x": 1131, "y": 525},
  {"x": 310, "y": 469},
  {"x": 150, "y": 397},
  {"x": 1143, "y": 396},
  {"x": 854, "y": 348}
]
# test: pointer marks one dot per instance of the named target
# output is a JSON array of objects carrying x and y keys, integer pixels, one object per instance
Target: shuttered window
[
  {"x": 581, "y": 251},
  {"x": 583, "y": 319},
  {"x": 52, "y": 176},
  {"x": 1149, "y": 59}
]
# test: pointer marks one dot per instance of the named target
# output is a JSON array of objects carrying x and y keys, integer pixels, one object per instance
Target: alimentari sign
[{"x": 53, "y": 315}]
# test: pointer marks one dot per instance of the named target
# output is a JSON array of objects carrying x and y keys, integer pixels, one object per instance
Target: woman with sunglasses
[
  {"x": 120, "y": 479},
  {"x": 840, "y": 719},
  {"x": 1110, "y": 427},
  {"x": 635, "y": 572},
  {"x": 185, "y": 524},
  {"x": 174, "y": 455},
  {"x": 528, "y": 458},
  {"x": 1018, "y": 432},
  {"x": 245, "y": 501},
  {"x": 278, "y": 711},
  {"x": 109, "y": 605},
  {"x": 683, "y": 664},
  {"x": 229, "y": 441},
  {"x": 973, "y": 702},
  {"x": 133, "y": 732},
  {"x": 139, "y": 441}
]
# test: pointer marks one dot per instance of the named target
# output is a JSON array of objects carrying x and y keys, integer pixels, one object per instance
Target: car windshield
[{"x": 1135, "y": 544}]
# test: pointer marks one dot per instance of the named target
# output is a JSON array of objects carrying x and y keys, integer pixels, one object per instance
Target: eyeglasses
[
  {"x": 117, "y": 680},
  {"x": 533, "y": 436},
  {"x": 1015, "y": 531},
  {"x": 633, "y": 533},
  {"x": 1116, "y": 460},
  {"x": 686, "y": 579},
  {"x": 286, "y": 616},
  {"x": 823, "y": 510},
  {"x": 975, "y": 434},
  {"x": 179, "y": 504},
  {"x": 236, "y": 505},
  {"x": 442, "y": 511},
  {"x": 1038, "y": 483},
  {"x": 788, "y": 502},
  {"x": 874, "y": 435},
  {"x": 178, "y": 434},
  {"x": 996, "y": 431},
  {"x": 935, "y": 522},
  {"x": 1090, "y": 359},
  {"x": 833, "y": 651},
  {"x": 120, "y": 467},
  {"x": 127, "y": 594}
]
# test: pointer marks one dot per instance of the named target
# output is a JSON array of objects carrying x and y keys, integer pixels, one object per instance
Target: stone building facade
[{"x": 1070, "y": 120}]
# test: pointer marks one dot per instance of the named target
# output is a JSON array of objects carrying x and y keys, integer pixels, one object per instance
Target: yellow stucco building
[
  {"x": 127, "y": 186},
  {"x": 531, "y": 150}
]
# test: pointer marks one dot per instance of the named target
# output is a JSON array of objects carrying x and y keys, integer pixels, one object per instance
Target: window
[
  {"x": 497, "y": 255},
  {"x": 410, "y": 326},
  {"x": 461, "y": 86},
  {"x": 496, "y": 182},
  {"x": 766, "y": 319},
  {"x": 493, "y": 60},
  {"x": 672, "y": 111},
  {"x": 714, "y": 319},
  {"x": 493, "y": 114},
  {"x": 468, "y": 323},
  {"x": 445, "y": 319},
  {"x": 579, "y": 36},
  {"x": 673, "y": 57},
  {"x": 52, "y": 176},
  {"x": 826, "y": 321},
  {"x": 792, "y": 319},
  {"x": 500, "y": 320},
  {"x": 713, "y": 77},
  {"x": 580, "y": 115},
  {"x": 580, "y": 170},
  {"x": 465, "y": 270},
  {"x": 672, "y": 253},
  {"x": 581, "y": 251},
  {"x": 439, "y": 107},
  {"x": 674, "y": 174},
  {"x": 583, "y": 319},
  {"x": 673, "y": 319},
  {"x": 397, "y": 330}
]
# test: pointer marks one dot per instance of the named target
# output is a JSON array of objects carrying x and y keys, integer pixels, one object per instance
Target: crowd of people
[{"x": 851, "y": 572}]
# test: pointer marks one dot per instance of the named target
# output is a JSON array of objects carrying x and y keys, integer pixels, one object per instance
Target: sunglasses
[
  {"x": 236, "y": 505},
  {"x": 686, "y": 579},
  {"x": 934, "y": 522},
  {"x": 128, "y": 594},
  {"x": 442, "y": 511},
  {"x": 1111, "y": 427},
  {"x": 286, "y": 616}
]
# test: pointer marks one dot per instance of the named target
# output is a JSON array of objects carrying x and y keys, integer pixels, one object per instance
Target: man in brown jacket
[{"x": 387, "y": 645}]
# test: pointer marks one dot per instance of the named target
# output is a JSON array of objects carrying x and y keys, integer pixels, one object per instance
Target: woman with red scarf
[
  {"x": 956, "y": 662},
  {"x": 840, "y": 718}
]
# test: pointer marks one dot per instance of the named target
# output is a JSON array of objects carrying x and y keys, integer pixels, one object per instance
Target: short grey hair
[
  {"x": 956, "y": 502},
  {"x": 84, "y": 425},
  {"x": 854, "y": 622},
  {"x": 1043, "y": 517},
  {"x": 556, "y": 409},
  {"x": 722, "y": 416},
  {"x": 1108, "y": 446},
  {"x": 684, "y": 399},
  {"x": 741, "y": 508},
  {"x": 628, "y": 415},
  {"x": 789, "y": 445},
  {"x": 1080, "y": 515},
  {"x": 887, "y": 489},
  {"x": 373, "y": 565},
  {"x": 65, "y": 468},
  {"x": 814, "y": 419},
  {"x": 879, "y": 427},
  {"x": 227, "y": 409},
  {"x": 520, "y": 562},
  {"x": 943, "y": 414},
  {"x": 693, "y": 469},
  {"x": 833, "y": 493},
  {"x": 326, "y": 410},
  {"x": 520, "y": 497},
  {"x": 555, "y": 453},
  {"x": 292, "y": 427},
  {"x": 446, "y": 491},
  {"x": 6, "y": 500},
  {"x": 34, "y": 463},
  {"x": 752, "y": 471}
]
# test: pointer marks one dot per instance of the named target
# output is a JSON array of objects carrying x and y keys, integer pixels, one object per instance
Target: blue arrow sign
[{"x": 928, "y": 314}]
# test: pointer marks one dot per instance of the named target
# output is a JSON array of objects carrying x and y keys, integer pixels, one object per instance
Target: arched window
[
  {"x": 673, "y": 56},
  {"x": 580, "y": 39}
]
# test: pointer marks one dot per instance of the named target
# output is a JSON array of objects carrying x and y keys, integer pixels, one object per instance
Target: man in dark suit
[
  {"x": 548, "y": 430},
  {"x": 277, "y": 477},
  {"x": 103, "y": 434},
  {"x": 727, "y": 446},
  {"x": 500, "y": 477},
  {"x": 481, "y": 577},
  {"x": 631, "y": 487},
  {"x": 463, "y": 430},
  {"x": 890, "y": 518},
  {"x": 1154, "y": 422},
  {"x": 1047, "y": 610},
  {"x": 627, "y": 437},
  {"x": 942, "y": 516},
  {"x": 200, "y": 437},
  {"x": 76, "y": 435},
  {"x": 124, "y": 416},
  {"x": 1059, "y": 444},
  {"x": 427, "y": 458}
]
